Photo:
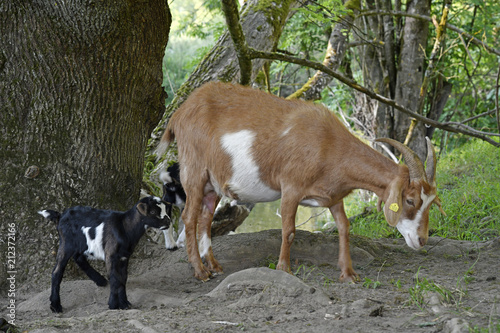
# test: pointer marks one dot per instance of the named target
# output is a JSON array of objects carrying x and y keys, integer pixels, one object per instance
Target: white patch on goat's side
[
  {"x": 44, "y": 213},
  {"x": 203, "y": 245},
  {"x": 95, "y": 250},
  {"x": 245, "y": 181},
  {"x": 408, "y": 228}
]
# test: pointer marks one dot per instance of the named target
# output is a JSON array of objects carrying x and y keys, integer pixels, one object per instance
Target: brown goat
[{"x": 251, "y": 146}]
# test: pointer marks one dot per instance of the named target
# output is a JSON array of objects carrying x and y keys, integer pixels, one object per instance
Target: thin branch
[
  {"x": 478, "y": 116},
  {"x": 230, "y": 9},
  {"x": 496, "y": 100},
  {"x": 451, "y": 126}
]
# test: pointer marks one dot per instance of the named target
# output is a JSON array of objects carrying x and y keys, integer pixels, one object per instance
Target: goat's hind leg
[
  {"x": 190, "y": 216},
  {"x": 57, "y": 275},
  {"x": 210, "y": 202},
  {"x": 94, "y": 275}
]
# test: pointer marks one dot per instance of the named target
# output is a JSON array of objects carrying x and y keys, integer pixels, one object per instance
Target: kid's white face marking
[
  {"x": 408, "y": 228},
  {"x": 163, "y": 208},
  {"x": 203, "y": 245},
  {"x": 95, "y": 250},
  {"x": 245, "y": 181}
]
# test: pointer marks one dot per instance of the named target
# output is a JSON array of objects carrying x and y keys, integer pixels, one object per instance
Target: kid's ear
[
  {"x": 143, "y": 209},
  {"x": 394, "y": 203}
]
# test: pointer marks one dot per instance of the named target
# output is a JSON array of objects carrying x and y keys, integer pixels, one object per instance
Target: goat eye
[{"x": 410, "y": 202}]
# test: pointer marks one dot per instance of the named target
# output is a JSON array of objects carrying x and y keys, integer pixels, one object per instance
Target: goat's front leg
[
  {"x": 347, "y": 273},
  {"x": 210, "y": 202},
  {"x": 288, "y": 211},
  {"x": 117, "y": 269},
  {"x": 170, "y": 243}
]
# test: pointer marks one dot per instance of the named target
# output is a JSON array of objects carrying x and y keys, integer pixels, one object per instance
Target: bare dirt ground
[{"x": 449, "y": 286}]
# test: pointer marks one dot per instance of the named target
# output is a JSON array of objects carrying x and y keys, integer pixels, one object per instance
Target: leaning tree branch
[
  {"x": 496, "y": 101},
  {"x": 473, "y": 39},
  {"x": 448, "y": 126},
  {"x": 335, "y": 52},
  {"x": 230, "y": 9}
]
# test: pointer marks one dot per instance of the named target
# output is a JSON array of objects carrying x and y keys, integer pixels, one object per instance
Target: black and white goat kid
[
  {"x": 86, "y": 232},
  {"x": 173, "y": 192}
]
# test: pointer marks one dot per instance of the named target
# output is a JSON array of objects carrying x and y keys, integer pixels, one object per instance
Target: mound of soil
[{"x": 449, "y": 286}]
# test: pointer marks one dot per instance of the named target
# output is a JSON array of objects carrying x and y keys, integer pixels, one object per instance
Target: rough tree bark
[
  {"x": 397, "y": 75},
  {"x": 410, "y": 75},
  {"x": 80, "y": 93}
]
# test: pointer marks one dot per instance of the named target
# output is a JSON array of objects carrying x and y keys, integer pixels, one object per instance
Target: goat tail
[
  {"x": 167, "y": 138},
  {"x": 52, "y": 215}
]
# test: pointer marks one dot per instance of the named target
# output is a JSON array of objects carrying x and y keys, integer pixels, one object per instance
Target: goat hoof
[
  {"x": 173, "y": 249},
  {"x": 56, "y": 308},
  {"x": 349, "y": 278},
  {"x": 204, "y": 275},
  {"x": 125, "y": 306},
  {"x": 101, "y": 283}
]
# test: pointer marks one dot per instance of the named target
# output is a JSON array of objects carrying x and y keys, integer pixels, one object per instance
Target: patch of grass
[
  {"x": 423, "y": 287},
  {"x": 468, "y": 185},
  {"x": 303, "y": 272},
  {"x": 369, "y": 283}
]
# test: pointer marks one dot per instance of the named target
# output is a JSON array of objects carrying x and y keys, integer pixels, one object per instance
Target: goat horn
[
  {"x": 415, "y": 165},
  {"x": 431, "y": 162}
]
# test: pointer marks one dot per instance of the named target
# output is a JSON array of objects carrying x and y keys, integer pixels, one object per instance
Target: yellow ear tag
[{"x": 394, "y": 207}]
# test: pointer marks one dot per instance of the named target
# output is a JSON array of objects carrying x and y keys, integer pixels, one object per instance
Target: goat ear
[
  {"x": 394, "y": 203},
  {"x": 143, "y": 209}
]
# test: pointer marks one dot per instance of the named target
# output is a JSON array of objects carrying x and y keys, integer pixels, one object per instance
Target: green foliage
[
  {"x": 470, "y": 68},
  {"x": 369, "y": 283},
  {"x": 468, "y": 185},
  {"x": 306, "y": 35},
  {"x": 181, "y": 55},
  {"x": 304, "y": 272}
]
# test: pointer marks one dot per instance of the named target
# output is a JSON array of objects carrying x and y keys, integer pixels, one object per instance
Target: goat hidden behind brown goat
[{"x": 254, "y": 147}]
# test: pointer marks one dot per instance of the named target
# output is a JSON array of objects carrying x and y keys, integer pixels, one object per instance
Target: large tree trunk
[
  {"x": 401, "y": 82},
  {"x": 410, "y": 75},
  {"x": 80, "y": 90}
]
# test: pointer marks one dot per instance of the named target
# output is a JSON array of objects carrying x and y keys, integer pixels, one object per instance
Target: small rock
[{"x": 456, "y": 325}]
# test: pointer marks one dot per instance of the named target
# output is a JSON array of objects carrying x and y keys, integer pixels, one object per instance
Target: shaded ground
[{"x": 450, "y": 286}]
